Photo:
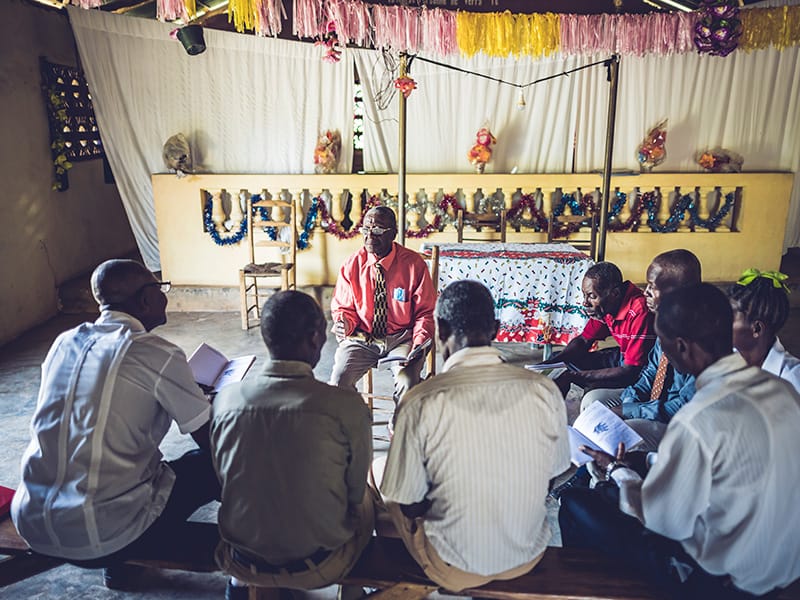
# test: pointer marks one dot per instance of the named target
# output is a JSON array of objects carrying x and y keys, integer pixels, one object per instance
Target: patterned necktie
[
  {"x": 661, "y": 375},
  {"x": 379, "y": 315}
]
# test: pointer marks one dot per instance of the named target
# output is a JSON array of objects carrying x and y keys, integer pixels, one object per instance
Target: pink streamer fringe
[
  {"x": 169, "y": 10},
  {"x": 657, "y": 33},
  {"x": 400, "y": 28},
  {"x": 90, "y": 3},
  {"x": 268, "y": 15}
]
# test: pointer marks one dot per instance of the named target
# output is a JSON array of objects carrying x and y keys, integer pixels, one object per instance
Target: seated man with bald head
[
  {"x": 382, "y": 305},
  {"x": 94, "y": 486}
]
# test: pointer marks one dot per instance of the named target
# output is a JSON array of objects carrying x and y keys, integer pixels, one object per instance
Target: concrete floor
[
  {"x": 19, "y": 381},
  {"x": 20, "y": 364}
]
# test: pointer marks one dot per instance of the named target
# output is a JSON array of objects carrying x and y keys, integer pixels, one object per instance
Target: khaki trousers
[
  {"x": 451, "y": 578},
  {"x": 330, "y": 570}
]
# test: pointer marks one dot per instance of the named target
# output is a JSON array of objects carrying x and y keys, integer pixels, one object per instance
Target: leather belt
[{"x": 293, "y": 566}]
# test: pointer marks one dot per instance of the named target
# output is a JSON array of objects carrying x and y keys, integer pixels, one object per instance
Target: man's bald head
[
  {"x": 127, "y": 286},
  {"x": 670, "y": 271},
  {"x": 679, "y": 268}
]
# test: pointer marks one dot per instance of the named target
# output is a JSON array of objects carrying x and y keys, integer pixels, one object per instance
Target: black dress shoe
[
  {"x": 121, "y": 577},
  {"x": 235, "y": 592}
]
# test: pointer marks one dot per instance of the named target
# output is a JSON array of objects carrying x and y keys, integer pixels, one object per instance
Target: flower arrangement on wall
[
  {"x": 652, "y": 150},
  {"x": 330, "y": 41},
  {"x": 326, "y": 154},
  {"x": 481, "y": 151},
  {"x": 719, "y": 160}
]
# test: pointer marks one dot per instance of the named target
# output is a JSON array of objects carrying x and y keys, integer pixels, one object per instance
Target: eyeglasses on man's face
[
  {"x": 165, "y": 286},
  {"x": 374, "y": 230}
]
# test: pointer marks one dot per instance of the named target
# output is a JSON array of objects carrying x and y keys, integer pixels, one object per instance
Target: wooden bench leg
[
  {"x": 263, "y": 593},
  {"x": 22, "y": 566},
  {"x": 404, "y": 591}
]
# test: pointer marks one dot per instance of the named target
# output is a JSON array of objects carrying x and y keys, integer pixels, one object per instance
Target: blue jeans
[{"x": 591, "y": 519}]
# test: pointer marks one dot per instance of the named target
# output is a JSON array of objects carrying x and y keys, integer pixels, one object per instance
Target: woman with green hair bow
[{"x": 760, "y": 305}]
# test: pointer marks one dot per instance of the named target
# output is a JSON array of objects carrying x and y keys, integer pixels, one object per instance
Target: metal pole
[
  {"x": 612, "y": 64},
  {"x": 401, "y": 160}
]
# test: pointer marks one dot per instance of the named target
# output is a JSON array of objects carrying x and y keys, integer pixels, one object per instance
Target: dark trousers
[
  {"x": 196, "y": 484},
  {"x": 592, "y": 519},
  {"x": 606, "y": 358}
]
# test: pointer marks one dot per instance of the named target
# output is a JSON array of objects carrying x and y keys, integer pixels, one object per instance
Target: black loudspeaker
[{"x": 191, "y": 37}]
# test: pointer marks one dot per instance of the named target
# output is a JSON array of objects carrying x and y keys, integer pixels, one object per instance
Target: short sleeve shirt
[
  {"x": 481, "y": 441},
  {"x": 92, "y": 477},
  {"x": 631, "y": 327}
]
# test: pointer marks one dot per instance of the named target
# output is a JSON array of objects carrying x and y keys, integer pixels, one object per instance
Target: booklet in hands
[
  {"x": 598, "y": 427},
  {"x": 413, "y": 355},
  {"x": 212, "y": 369},
  {"x": 552, "y": 370}
]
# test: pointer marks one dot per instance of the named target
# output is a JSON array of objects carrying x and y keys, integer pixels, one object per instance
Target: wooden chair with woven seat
[
  {"x": 268, "y": 227},
  {"x": 478, "y": 221},
  {"x": 582, "y": 232}
]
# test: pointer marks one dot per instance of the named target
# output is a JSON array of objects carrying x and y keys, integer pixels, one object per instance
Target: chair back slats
[{"x": 272, "y": 228}]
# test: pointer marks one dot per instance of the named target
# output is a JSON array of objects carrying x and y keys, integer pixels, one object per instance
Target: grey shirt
[{"x": 292, "y": 454}]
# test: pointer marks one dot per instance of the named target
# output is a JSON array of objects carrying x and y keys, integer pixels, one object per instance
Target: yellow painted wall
[{"x": 190, "y": 257}]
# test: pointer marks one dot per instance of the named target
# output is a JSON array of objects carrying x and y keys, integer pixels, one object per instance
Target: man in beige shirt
[
  {"x": 473, "y": 452},
  {"x": 292, "y": 454}
]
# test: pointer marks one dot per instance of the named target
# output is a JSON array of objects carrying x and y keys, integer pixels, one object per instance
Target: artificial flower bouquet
[
  {"x": 652, "y": 150},
  {"x": 326, "y": 154},
  {"x": 719, "y": 160}
]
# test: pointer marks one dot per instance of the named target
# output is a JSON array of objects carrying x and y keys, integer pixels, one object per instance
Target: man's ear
[
  {"x": 443, "y": 330},
  {"x": 682, "y": 348}
]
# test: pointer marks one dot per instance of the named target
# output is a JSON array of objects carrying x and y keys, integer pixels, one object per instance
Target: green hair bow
[{"x": 778, "y": 279}]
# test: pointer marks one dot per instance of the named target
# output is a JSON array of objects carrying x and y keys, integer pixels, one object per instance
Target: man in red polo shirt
[
  {"x": 382, "y": 306},
  {"x": 618, "y": 309}
]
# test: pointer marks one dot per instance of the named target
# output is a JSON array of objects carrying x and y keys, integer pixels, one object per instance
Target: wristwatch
[{"x": 613, "y": 465}]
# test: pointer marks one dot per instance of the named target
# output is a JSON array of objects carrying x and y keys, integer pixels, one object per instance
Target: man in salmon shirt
[
  {"x": 382, "y": 306},
  {"x": 618, "y": 309}
]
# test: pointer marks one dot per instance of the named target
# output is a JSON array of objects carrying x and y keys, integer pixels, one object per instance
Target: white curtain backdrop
[
  {"x": 247, "y": 104},
  {"x": 747, "y": 103}
]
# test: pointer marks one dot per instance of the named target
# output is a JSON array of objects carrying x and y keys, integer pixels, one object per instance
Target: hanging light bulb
[{"x": 521, "y": 103}]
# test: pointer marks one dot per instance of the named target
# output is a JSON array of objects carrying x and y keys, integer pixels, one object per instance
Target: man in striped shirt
[{"x": 473, "y": 452}]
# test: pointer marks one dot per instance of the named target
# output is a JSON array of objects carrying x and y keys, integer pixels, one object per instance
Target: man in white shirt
[
  {"x": 94, "y": 489},
  {"x": 713, "y": 517},
  {"x": 473, "y": 452}
]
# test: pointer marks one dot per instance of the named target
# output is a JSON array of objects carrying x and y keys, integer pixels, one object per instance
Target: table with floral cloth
[{"x": 536, "y": 287}]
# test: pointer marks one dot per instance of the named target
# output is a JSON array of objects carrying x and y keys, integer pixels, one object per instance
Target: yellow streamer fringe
[
  {"x": 242, "y": 13},
  {"x": 765, "y": 27},
  {"x": 191, "y": 8},
  {"x": 505, "y": 34}
]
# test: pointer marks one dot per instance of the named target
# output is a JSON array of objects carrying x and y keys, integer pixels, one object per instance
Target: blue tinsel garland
[{"x": 241, "y": 233}]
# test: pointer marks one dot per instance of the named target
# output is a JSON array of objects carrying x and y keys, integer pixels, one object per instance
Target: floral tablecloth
[{"x": 536, "y": 287}]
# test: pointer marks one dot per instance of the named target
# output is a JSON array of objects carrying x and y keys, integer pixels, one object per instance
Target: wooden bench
[{"x": 385, "y": 565}]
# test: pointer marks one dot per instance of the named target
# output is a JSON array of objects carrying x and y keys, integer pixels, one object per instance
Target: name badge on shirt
[{"x": 399, "y": 294}]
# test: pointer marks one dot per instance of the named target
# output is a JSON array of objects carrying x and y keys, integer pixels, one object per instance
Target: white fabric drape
[
  {"x": 247, "y": 104},
  {"x": 747, "y": 103}
]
